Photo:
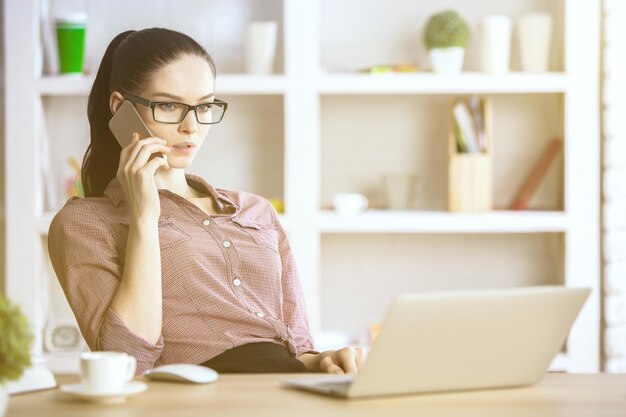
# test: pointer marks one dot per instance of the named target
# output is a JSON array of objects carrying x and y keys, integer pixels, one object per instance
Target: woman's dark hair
[{"x": 129, "y": 62}]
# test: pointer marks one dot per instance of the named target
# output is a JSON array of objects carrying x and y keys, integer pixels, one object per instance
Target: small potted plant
[
  {"x": 446, "y": 36},
  {"x": 15, "y": 340}
]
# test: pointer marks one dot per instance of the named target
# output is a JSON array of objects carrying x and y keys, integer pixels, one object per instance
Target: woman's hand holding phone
[{"x": 136, "y": 173}]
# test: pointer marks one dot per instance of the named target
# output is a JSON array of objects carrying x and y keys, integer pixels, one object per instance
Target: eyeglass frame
[{"x": 152, "y": 104}]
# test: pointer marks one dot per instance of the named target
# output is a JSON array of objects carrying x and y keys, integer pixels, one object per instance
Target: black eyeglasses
[{"x": 171, "y": 112}]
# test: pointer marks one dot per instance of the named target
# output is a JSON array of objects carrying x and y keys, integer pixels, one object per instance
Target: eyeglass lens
[{"x": 173, "y": 113}]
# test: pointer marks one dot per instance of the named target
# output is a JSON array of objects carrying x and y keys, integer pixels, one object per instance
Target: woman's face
[{"x": 187, "y": 80}]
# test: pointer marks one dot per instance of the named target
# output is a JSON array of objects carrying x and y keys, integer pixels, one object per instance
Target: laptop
[{"x": 465, "y": 340}]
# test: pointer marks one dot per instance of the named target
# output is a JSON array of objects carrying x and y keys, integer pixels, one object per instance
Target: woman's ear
[{"x": 115, "y": 101}]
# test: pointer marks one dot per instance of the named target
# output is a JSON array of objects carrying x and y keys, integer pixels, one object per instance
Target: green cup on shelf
[{"x": 71, "y": 30}]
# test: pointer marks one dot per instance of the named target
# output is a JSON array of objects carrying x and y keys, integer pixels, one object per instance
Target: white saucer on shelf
[{"x": 130, "y": 389}]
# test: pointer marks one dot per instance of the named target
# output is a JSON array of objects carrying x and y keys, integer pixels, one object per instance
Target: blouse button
[
  {"x": 226, "y": 244},
  {"x": 260, "y": 315},
  {"x": 206, "y": 222},
  {"x": 236, "y": 282}
]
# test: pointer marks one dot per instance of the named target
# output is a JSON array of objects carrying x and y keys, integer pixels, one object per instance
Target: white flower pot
[
  {"x": 447, "y": 60},
  {"x": 4, "y": 399}
]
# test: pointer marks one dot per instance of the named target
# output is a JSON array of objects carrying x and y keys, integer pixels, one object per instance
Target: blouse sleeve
[
  {"x": 294, "y": 305},
  {"x": 84, "y": 256}
]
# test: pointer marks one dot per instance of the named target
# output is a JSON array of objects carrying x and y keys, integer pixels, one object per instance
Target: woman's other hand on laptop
[{"x": 348, "y": 360}]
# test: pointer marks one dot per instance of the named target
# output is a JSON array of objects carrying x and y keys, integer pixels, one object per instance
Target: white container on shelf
[
  {"x": 260, "y": 47},
  {"x": 535, "y": 37},
  {"x": 350, "y": 203},
  {"x": 495, "y": 44}
]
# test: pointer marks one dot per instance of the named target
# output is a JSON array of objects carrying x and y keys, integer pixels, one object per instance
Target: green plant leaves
[
  {"x": 446, "y": 29},
  {"x": 15, "y": 341}
]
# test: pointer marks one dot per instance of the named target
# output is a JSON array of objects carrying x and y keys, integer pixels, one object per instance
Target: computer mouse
[{"x": 183, "y": 372}]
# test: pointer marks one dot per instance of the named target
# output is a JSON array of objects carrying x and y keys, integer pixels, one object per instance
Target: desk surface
[{"x": 262, "y": 395}]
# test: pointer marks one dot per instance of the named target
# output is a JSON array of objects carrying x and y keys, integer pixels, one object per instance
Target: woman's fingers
[
  {"x": 146, "y": 152},
  {"x": 139, "y": 145},
  {"x": 347, "y": 360},
  {"x": 328, "y": 363},
  {"x": 142, "y": 157},
  {"x": 334, "y": 369},
  {"x": 136, "y": 173},
  {"x": 136, "y": 146}
]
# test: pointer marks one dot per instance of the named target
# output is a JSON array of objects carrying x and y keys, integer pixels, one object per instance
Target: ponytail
[{"x": 102, "y": 155}]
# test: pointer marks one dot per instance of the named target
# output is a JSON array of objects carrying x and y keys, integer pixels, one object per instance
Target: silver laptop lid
[{"x": 468, "y": 340}]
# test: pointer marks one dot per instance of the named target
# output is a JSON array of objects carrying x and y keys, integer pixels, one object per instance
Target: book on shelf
[
  {"x": 536, "y": 175},
  {"x": 469, "y": 125}
]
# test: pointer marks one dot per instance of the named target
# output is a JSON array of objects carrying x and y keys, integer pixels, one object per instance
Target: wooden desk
[{"x": 261, "y": 395}]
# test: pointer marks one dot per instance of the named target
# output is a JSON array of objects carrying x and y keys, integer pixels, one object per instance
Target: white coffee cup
[
  {"x": 350, "y": 203},
  {"x": 106, "y": 371},
  {"x": 260, "y": 47}
]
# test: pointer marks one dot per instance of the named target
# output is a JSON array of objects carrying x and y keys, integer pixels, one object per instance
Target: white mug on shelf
[
  {"x": 495, "y": 44},
  {"x": 350, "y": 203},
  {"x": 535, "y": 37},
  {"x": 260, "y": 47},
  {"x": 106, "y": 371}
]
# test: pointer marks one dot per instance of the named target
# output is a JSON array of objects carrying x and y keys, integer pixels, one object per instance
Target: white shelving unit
[
  {"x": 385, "y": 221},
  {"x": 312, "y": 117}
]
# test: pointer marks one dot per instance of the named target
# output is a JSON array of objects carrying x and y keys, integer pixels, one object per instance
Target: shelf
[
  {"x": 64, "y": 85},
  {"x": 429, "y": 83},
  {"x": 347, "y": 83},
  {"x": 227, "y": 84},
  {"x": 43, "y": 223},
  {"x": 384, "y": 221}
]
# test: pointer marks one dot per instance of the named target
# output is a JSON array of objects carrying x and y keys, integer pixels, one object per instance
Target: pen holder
[
  {"x": 470, "y": 184},
  {"x": 470, "y": 175}
]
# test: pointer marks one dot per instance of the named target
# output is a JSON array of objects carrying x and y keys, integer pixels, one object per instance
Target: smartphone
[{"x": 126, "y": 121}]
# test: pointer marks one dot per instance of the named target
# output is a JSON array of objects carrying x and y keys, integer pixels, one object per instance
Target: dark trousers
[{"x": 262, "y": 357}]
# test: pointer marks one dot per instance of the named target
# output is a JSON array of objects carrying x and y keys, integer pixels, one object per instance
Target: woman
[{"x": 158, "y": 263}]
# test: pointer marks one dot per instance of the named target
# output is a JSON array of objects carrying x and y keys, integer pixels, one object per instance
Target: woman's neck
[{"x": 174, "y": 180}]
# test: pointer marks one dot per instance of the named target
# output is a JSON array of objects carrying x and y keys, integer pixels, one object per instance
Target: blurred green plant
[
  {"x": 15, "y": 341},
  {"x": 446, "y": 29}
]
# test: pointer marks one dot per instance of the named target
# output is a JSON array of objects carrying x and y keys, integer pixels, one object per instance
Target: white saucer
[{"x": 78, "y": 391}]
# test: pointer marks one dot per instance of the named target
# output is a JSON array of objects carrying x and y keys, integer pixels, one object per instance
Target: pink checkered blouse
[{"x": 228, "y": 279}]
